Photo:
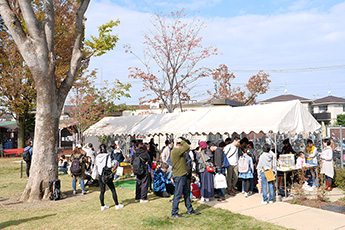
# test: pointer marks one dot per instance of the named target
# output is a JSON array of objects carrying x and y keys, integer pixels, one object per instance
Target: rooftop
[
  {"x": 330, "y": 99},
  {"x": 286, "y": 97}
]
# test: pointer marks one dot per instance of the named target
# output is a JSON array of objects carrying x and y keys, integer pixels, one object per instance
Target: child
[
  {"x": 300, "y": 162},
  {"x": 194, "y": 188}
]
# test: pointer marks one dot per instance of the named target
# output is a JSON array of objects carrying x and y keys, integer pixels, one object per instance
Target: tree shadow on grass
[{"x": 21, "y": 221}]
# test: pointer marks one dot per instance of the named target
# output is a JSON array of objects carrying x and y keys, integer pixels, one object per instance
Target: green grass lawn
[{"x": 83, "y": 212}]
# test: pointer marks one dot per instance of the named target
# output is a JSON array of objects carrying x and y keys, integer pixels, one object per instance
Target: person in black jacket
[
  {"x": 218, "y": 163},
  {"x": 142, "y": 180}
]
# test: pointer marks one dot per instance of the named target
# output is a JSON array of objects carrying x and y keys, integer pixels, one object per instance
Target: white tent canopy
[
  {"x": 114, "y": 126},
  {"x": 168, "y": 123},
  {"x": 279, "y": 117}
]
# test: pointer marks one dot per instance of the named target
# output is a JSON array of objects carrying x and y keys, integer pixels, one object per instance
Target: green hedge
[{"x": 339, "y": 178}]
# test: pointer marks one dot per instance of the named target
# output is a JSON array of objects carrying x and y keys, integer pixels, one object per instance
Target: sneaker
[
  {"x": 137, "y": 201},
  {"x": 202, "y": 199},
  {"x": 310, "y": 189},
  {"x": 221, "y": 199},
  {"x": 176, "y": 216},
  {"x": 271, "y": 202},
  {"x": 144, "y": 201},
  {"x": 104, "y": 207},
  {"x": 84, "y": 192},
  {"x": 74, "y": 192},
  {"x": 194, "y": 212},
  {"x": 245, "y": 194},
  {"x": 119, "y": 206},
  {"x": 263, "y": 202},
  {"x": 207, "y": 199}
]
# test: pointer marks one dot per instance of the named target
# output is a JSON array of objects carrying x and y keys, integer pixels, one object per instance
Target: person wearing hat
[
  {"x": 203, "y": 159},
  {"x": 179, "y": 164}
]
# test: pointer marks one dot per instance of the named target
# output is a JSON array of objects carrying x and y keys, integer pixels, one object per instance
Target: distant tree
[
  {"x": 17, "y": 89},
  {"x": 91, "y": 103},
  {"x": 172, "y": 51},
  {"x": 35, "y": 29},
  {"x": 257, "y": 84},
  {"x": 341, "y": 119}
]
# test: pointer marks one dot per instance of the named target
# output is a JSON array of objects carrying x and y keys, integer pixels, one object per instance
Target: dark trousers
[
  {"x": 181, "y": 188},
  {"x": 246, "y": 185},
  {"x": 28, "y": 165},
  {"x": 112, "y": 189},
  {"x": 142, "y": 186},
  {"x": 328, "y": 179}
]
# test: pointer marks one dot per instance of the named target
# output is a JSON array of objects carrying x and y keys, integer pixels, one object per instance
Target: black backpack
[
  {"x": 76, "y": 166},
  {"x": 55, "y": 189},
  {"x": 138, "y": 166},
  {"x": 26, "y": 155},
  {"x": 188, "y": 162},
  {"x": 107, "y": 174}
]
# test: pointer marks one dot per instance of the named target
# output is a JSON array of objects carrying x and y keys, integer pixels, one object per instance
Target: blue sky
[{"x": 299, "y": 43}]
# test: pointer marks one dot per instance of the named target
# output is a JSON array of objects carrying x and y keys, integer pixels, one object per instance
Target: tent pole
[
  {"x": 275, "y": 151},
  {"x": 341, "y": 147}
]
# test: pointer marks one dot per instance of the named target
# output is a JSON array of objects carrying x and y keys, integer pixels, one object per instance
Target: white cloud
[{"x": 305, "y": 38}]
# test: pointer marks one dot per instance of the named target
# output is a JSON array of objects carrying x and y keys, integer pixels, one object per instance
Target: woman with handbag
[
  {"x": 205, "y": 169},
  {"x": 266, "y": 166}
]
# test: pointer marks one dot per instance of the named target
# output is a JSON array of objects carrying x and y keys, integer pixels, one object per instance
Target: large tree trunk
[
  {"x": 20, "y": 124},
  {"x": 44, "y": 160}
]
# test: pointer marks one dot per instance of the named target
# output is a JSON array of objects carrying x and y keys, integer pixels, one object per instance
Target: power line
[{"x": 294, "y": 70}]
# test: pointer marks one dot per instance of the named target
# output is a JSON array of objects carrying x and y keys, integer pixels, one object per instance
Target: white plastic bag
[
  {"x": 219, "y": 181},
  {"x": 94, "y": 174}
]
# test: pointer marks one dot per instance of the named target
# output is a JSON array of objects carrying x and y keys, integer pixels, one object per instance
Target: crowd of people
[{"x": 191, "y": 173}]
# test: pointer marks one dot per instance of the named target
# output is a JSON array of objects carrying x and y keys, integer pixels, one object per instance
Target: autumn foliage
[
  {"x": 90, "y": 103},
  {"x": 173, "y": 48},
  {"x": 257, "y": 84}
]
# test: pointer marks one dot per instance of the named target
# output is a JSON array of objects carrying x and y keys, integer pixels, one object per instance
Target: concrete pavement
[{"x": 284, "y": 214}]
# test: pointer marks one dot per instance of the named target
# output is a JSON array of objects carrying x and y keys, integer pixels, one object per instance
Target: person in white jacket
[
  {"x": 231, "y": 152},
  {"x": 102, "y": 160},
  {"x": 327, "y": 163}
]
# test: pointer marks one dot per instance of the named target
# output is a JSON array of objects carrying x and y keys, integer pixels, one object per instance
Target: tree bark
[
  {"x": 44, "y": 159},
  {"x": 35, "y": 44}
]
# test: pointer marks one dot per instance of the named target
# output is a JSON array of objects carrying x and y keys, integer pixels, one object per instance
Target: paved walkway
[{"x": 284, "y": 214}]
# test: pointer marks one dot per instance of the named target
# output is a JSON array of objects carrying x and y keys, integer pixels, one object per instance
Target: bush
[{"x": 339, "y": 178}]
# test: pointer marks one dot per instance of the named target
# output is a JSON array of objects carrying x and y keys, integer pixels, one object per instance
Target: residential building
[{"x": 328, "y": 108}]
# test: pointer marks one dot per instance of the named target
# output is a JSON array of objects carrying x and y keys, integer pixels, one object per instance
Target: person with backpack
[
  {"x": 140, "y": 162},
  {"x": 178, "y": 161},
  {"x": 106, "y": 167},
  {"x": 231, "y": 151},
  {"x": 27, "y": 156},
  {"x": 78, "y": 169},
  {"x": 246, "y": 171}
]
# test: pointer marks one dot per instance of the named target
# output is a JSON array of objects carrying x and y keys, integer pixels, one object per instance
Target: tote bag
[
  {"x": 269, "y": 173},
  {"x": 219, "y": 181}
]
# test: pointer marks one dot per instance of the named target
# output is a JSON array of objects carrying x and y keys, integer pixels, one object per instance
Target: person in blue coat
[{"x": 28, "y": 145}]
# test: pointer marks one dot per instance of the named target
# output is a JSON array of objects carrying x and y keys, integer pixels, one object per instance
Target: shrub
[{"x": 339, "y": 178}]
